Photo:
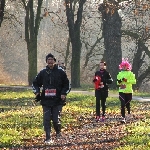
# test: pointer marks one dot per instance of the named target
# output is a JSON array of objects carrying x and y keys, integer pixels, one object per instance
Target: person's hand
[
  {"x": 122, "y": 86},
  {"x": 124, "y": 79},
  {"x": 119, "y": 81},
  {"x": 101, "y": 85},
  {"x": 94, "y": 80},
  {"x": 63, "y": 97},
  {"x": 37, "y": 97}
]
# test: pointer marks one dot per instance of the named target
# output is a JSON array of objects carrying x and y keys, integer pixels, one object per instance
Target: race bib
[{"x": 50, "y": 92}]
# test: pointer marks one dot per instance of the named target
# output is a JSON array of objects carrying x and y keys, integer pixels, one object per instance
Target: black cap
[{"x": 50, "y": 55}]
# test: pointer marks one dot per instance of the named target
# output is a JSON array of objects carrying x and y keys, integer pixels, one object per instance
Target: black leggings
[
  {"x": 125, "y": 99},
  {"x": 103, "y": 104},
  {"x": 101, "y": 96}
]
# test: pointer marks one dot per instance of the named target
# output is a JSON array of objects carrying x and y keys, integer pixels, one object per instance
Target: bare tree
[
  {"x": 32, "y": 23},
  {"x": 74, "y": 33},
  {"x": 111, "y": 11},
  {"x": 140, "y": 32}
]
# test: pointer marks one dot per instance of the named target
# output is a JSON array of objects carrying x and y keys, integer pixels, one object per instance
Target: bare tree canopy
[{"x": 77, "y": 33}]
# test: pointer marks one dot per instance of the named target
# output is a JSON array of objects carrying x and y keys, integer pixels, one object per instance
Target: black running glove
[{"x": 38, "y": 98}]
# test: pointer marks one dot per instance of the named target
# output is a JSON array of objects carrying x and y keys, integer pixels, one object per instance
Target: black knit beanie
[{"x": 49, "y": 55}]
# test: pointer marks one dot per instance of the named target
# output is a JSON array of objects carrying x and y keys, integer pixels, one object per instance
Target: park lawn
[
  {"x": 21, "y": 119},
  {"x": 139, "y": 136}
]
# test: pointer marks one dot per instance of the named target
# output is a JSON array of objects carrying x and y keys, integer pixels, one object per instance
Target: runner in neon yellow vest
[{"x": 125, "y": 80}]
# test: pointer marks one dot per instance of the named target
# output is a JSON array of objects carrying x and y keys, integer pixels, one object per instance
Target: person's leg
[
  {"x": 47, "y": 121},
  {"x": 128, "y": 100},
  {"x": 98, "y": 96},
  {"x": 98, "y": 106},
  {"x": 103, "y": 104},
  {"x": 56, "y": 111},
  {"x": 122, "y": 100}
]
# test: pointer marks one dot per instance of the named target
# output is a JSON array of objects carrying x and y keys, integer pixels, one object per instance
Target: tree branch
[{"x": 91, "y": 51}]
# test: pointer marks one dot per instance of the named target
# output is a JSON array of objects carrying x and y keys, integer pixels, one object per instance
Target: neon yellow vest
[{"x": 130, "y": 80}]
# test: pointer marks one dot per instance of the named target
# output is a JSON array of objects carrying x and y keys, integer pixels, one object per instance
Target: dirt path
[
  {"x": 141, "y": 99},
  {"x": 138, "y": 98}
]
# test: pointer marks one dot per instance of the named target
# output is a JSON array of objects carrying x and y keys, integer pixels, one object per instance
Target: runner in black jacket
[
  {"x": 102, "y": 79},
  {"x": 55, "y": 85}
]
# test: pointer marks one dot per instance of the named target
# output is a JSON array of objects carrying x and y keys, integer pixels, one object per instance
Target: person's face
[
  {"x": 50, "y": 62},
  {"x": 59, "y": 63},
  {"x": 101, "y": 65}
]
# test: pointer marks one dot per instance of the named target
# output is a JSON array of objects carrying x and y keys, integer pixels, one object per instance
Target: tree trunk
[
  {"x": 112, "y": 40},
  {"x": 2, "y": 6},
  {"x": 32, "y": 59},
  {"x": 31, "y": 32},
  {"x": 137, "y": 62},
  {"x": 75, "y": 62},
  {"x": 74, "y": 33}
]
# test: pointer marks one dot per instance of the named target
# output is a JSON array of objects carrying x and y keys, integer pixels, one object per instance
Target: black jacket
[
  {"x": 51, "y": 79},
  {"x": 105, "y": 78}
]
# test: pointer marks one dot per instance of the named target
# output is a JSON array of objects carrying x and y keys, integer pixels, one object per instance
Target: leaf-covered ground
[
  {"x": 89, "y": 135},
  {"x": 80, "y": 130}
]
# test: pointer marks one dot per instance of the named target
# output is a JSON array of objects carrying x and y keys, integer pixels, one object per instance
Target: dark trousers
[
  {"x": 51, "y": 114},
  {"x": 125, "y": 99},
  {"x": 101, "y": 101}
]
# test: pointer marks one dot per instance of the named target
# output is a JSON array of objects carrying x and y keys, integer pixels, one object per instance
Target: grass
[
  {"x": 21, "y": 119},
  {"x": 139, "y": 136}
]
